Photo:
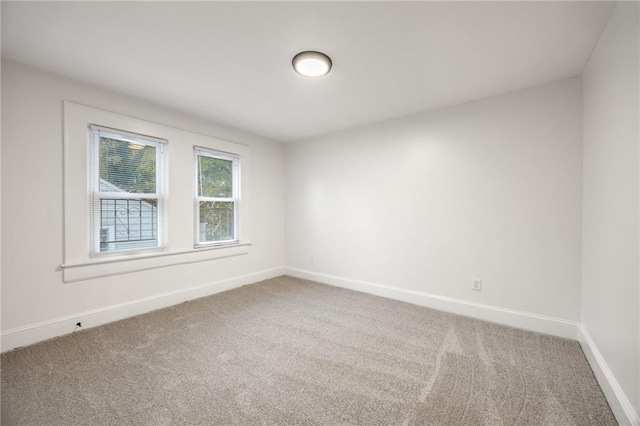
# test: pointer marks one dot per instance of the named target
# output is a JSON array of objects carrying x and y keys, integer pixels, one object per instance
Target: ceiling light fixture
[
  {"x": 136, "y": 146},
  {"x": 312, "y": 64}
]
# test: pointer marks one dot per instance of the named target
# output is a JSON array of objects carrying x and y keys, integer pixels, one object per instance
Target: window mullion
[
  {"x": 126, "y": 195},
  {"x": 217, "y": 200}
]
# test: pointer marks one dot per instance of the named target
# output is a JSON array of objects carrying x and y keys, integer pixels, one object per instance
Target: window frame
[
  {"x": 95, "y": 195},
  {"x": 199, "y": 151}
]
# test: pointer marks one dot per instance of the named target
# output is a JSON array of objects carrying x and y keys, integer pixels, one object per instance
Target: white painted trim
[
  {"x": 525, "y": 320},
  {"x": 108, "y": 266},
  {"x": 33, "y": 333},
  {"x": 618, "y": 401}
]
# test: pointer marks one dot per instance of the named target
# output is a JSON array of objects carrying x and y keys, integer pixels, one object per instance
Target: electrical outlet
[
  {"x": 311, "y": 259},
  {"x": 477, "y": 284}
]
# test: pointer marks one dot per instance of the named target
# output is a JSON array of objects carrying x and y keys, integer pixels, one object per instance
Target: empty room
[{"x": 320, "y": 213}]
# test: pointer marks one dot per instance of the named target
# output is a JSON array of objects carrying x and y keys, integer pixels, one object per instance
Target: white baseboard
[
  {"x": 525, "y": 320},
  {"x": 618, "y": 401},
  {"x": 33, "y": 333},
  {"x": 620, "y": 404}
]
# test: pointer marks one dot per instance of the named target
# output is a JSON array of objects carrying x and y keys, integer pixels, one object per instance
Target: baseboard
[
  {"x": 525, "y": 320},
  {"x": 618, "y": 401},
  {"x": 33, "y": 333}
]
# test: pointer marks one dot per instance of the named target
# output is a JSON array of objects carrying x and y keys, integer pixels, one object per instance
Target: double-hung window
[
  {"x": 126, "y": 191},
  {"x": 217, "y": 197}
]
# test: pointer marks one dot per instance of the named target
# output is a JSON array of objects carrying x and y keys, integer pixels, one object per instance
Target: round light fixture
[
  {"x": 136, "y": 146},
  {"x": 312, "y": 64}
]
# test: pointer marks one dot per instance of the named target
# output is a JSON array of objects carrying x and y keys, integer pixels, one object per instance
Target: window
[
  {"x": 217, "y": 197},
  {"x": 117, "y": 187},
  {"x": 125, "y": 191}
]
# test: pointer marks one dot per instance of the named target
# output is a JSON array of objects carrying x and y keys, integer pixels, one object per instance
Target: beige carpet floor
[{"x": 287, "y": 351}]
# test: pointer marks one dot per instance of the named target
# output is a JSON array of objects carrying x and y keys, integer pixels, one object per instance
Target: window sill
[
  {"x": 215, "y": 245},
  {"x": 121, "y": 255},
  {"x": 111, "y": 266}
]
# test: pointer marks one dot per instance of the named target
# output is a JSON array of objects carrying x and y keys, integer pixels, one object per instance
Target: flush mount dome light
[
  {"x": 312, "y": 64},
  {"x": 136, "y": 146}
]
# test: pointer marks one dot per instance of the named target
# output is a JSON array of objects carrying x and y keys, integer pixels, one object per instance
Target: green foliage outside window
[
  {"x": 130, "y": 167},
  {"x": 215, "y": 177}
]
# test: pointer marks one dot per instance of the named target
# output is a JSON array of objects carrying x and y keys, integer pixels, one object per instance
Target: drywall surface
[
  {"x": 489, "y": 190},
  {"x": 610, "y": 262},
  {"x": 32, "y": 203}
]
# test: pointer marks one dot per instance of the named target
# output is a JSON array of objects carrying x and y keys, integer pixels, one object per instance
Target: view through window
[
  {"x": 217, "y": 195},
  {"x": 126, "y": 181}
]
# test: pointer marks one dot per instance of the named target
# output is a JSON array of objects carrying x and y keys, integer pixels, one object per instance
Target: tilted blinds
[{"x": 125, "y": 200}]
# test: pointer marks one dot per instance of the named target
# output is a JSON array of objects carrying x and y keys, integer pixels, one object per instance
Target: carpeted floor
[{"x": 287, "y": 351}]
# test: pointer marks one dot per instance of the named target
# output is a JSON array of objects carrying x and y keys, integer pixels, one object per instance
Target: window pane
[
  {"x": 215, "y": 177},
  {"x": 128, "y": 224},
  {"x": 216, "y": 221},
  {"x": 127, "y": 167}
]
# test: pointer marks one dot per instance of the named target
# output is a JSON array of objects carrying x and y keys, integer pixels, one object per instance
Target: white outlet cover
[{"x": 477, "y": 284}]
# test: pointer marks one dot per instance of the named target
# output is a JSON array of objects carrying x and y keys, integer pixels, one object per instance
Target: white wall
[
  {"x": 498, "y": 189},
  {"x": 489, "y": 189},
  {"x": 32, "y": 210},
  {"x": 610, "y": 261}
]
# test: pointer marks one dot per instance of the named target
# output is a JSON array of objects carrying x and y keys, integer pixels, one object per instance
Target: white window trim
[
  {"x": 95, "y": 195},
  {"x": 235, "y": 196},
  {"x": 77, "y": 264}
]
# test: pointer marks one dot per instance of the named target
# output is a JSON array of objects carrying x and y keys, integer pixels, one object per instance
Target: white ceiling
[{"x": 231, "y": 62}]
